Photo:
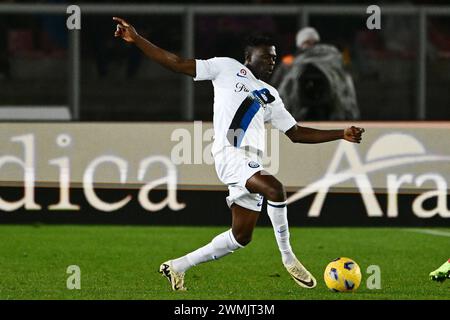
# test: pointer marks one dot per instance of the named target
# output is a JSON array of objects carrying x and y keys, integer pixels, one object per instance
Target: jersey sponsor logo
[
  {"x": 239, "y": 87},
  {"x": 253, "y": 164}
]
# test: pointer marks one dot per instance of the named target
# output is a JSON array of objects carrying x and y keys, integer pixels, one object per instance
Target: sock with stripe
[{"x": 277, "y": 212}]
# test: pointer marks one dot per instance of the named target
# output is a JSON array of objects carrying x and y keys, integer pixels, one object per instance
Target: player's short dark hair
[{"x": 257, "y": 40}]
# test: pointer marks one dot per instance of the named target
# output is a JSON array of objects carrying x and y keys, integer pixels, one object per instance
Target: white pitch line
[{"x": 432, "y": 232}]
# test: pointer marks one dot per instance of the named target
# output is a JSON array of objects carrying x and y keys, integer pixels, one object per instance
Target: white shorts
[{"x": 234, "y": 167}]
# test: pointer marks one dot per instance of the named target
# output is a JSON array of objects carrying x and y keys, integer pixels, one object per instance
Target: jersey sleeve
[
  {"x": 207, "y": 69},
  {"x": 278, "y": 116}
]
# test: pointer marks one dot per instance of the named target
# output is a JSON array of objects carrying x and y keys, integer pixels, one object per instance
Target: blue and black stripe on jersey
[{"x": 245, "y": 114}]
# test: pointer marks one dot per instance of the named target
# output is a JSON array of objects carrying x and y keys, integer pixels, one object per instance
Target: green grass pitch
[{"x": 121, "y": 262}]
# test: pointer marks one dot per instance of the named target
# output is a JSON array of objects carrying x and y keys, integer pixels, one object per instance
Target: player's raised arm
[
  {"x": 309, "y": 135},
  {"x": 167, "y": 59}
]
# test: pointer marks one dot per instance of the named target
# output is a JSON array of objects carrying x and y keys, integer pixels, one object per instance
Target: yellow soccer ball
[{"x": 342, "y": 275}]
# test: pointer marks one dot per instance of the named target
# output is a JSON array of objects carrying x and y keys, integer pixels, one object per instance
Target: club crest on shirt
[{"x": 253, "y": 164}]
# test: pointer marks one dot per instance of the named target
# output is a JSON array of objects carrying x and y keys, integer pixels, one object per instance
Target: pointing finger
[
  {"x": 118, "y": 19},
  {"x": 121, "y": 21}
]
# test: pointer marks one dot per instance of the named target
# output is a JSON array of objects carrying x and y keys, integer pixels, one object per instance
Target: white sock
[
  {"x": 220, "y": 246},
  {"x": 277, "y": 212}
]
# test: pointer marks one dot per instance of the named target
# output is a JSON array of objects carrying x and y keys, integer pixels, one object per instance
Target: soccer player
[
  {"x": 242, "y": 103},
  {"x": 441, "y": 273}
]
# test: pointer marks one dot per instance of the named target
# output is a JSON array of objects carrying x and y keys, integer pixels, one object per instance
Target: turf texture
[{"x": 121, "y": 262}]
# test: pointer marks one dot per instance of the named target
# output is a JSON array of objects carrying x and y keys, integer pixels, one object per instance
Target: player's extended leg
[
  {"x": 267, "y": 185},
  {"x": 441, "y": 273},
  {"x": 243, "y": 223}
]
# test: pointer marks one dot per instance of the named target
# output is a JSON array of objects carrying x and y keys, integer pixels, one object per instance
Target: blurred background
[{"x": 47, "y": 72}]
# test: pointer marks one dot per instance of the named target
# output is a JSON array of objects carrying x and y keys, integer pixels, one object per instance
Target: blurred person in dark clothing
[
  {"x": 5, "y": 70},
  {"x": 105, "y": 52},
  {"x": 314, "y": 82},
  {"x": 4, "y": 59}
]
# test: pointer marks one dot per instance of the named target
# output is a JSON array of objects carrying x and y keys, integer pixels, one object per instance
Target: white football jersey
[{"x": 242, "y": 103}]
